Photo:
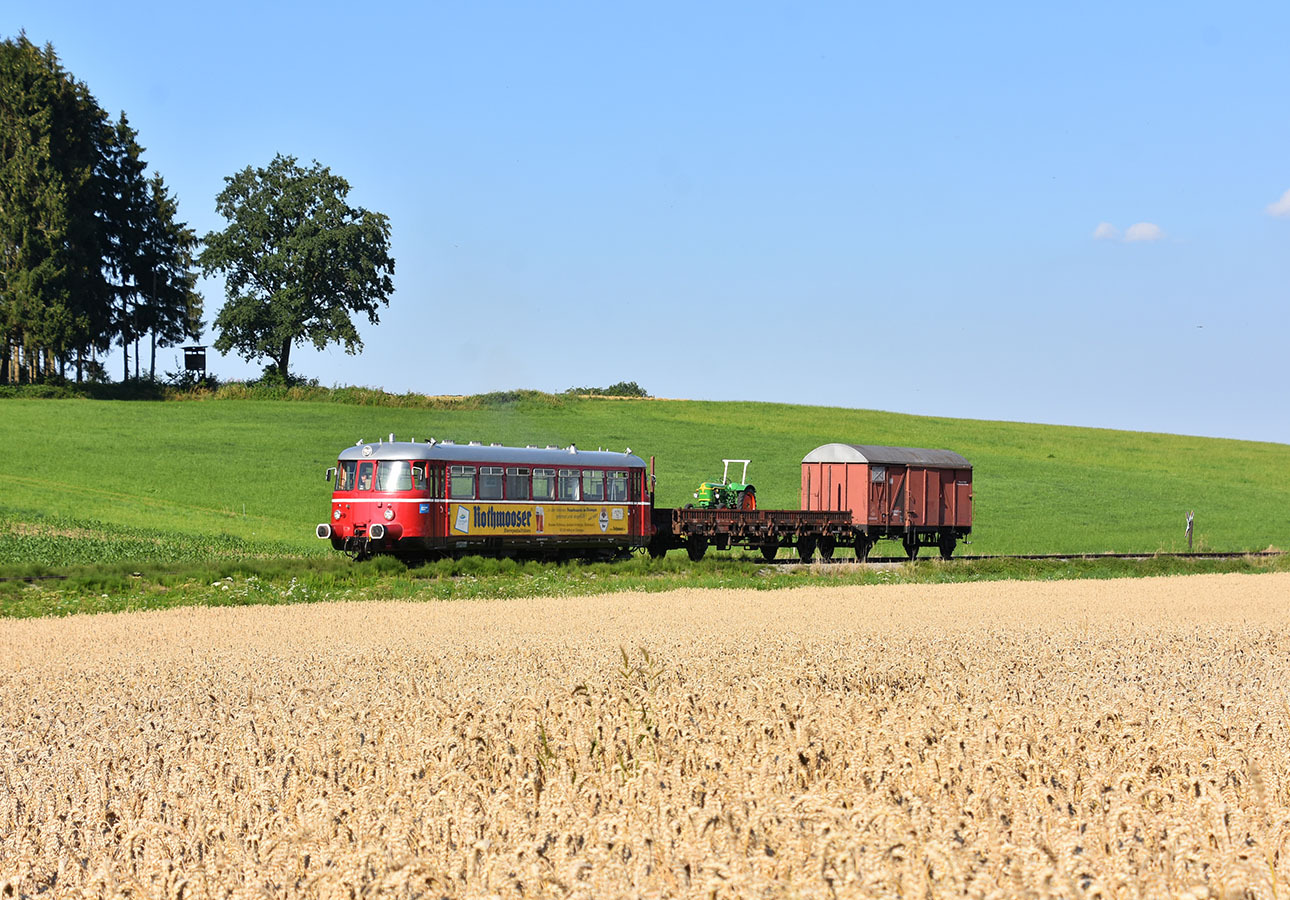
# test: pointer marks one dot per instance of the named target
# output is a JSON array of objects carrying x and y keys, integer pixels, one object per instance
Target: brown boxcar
[{"x": 921, "y": 497}]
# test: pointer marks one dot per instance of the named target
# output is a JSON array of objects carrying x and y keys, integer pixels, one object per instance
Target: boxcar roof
[
  {"x": 884, "y": 456},
  {"x": 489, "y": 454}
]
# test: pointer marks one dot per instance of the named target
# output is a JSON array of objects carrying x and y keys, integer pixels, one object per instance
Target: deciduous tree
[{"x": 298, "y": 261}]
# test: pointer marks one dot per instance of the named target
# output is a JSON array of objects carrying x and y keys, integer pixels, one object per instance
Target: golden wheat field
[{"x": 1081, "y": 739}]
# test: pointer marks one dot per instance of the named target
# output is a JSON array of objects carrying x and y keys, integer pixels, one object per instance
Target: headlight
[
  {"x": 389, "y": 513},
  {"x": 336, "y": 514}
]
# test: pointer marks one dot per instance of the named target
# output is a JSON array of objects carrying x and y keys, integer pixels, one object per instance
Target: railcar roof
[
  {"x": 489, "y": 454},
  {"x": 887, "y": 456}
]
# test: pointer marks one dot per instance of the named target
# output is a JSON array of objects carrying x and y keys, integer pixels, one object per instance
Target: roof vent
[
  {"x": 548, "y": 446},
  {"x": 573, "y": 448},
  {"x": 391, "y": 437},
  {"x": 476, "y": 444},
  {"x": 494, "y": 444}
]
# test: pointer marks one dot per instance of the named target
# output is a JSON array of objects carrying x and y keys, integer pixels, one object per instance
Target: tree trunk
[
  {"x": 285, "y": 359},
  {"x": 152, "y": 371}
]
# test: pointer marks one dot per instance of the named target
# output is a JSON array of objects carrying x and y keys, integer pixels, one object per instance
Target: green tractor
[{"x": 727, "y": 494}]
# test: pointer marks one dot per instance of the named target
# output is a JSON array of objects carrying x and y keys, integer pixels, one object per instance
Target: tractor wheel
[
  {"x": 827, "y": 546},
  {"x": 805, "y": 548},
  {"x": 747, "y": 498},
  {"x": 947, "y": 546},
  {"x": 695, "y": 547},
  {"x": 769, "y": 551}
]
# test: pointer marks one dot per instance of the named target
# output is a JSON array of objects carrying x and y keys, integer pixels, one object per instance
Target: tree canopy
[{"x": 298, "y": 262}]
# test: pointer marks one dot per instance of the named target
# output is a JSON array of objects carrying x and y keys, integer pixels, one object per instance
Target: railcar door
[
  {"x": 637, "y": 512},
  {"x": 963, "y": 491},
  {"x": 879, "y": 495},
  {"x": 887, "y": 495},
  {"x": 435, "y": 507}
]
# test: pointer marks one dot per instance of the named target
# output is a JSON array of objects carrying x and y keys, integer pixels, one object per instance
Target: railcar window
[
  {"x": 436, "y": 481},
  {"x": 617, "y": 487},
  {"x": 593, "y": 485},
  {"x": 490, "y": 482},
  {"x": 517, "y": 484},
  {"x": 878, "y": 474},
  {"x": 419, "y": 476},
  {"x": 569, "y": 483},
  {"x": 346, "y": 475},
  {"x": 365, "y": 476},
  {"x": 544, "y": 484},
  {"x": 461, "y": 480},
  {"x": 394, "y": 475}
]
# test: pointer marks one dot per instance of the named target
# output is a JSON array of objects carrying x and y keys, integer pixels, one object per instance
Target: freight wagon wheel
[
  {"x": 863, "y": 546},
  {"x": 769, "y": 551},
  {"x": 748, "y": 498},
  {"x": 911, "y": 546},
  {"x": 827, "y": 546},
  {"x": 695, "y": 547},
  {"x": 805, "y": 548},
  {"x": 657, "y": 549},
  {"x": 947, "y": 546}
]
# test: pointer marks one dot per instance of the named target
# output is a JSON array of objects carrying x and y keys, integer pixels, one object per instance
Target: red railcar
[
  {"x": 424, "y": 500},
  {"x": 921, "y": 497}
]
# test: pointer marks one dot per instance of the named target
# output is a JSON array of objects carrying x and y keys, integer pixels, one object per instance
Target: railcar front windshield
[
  {"x": 386, "y": 475},
  {"x": 394, "y": 475}
]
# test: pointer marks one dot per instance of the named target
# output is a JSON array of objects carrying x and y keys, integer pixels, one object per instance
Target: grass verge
[{"x": 124, "y": 587}]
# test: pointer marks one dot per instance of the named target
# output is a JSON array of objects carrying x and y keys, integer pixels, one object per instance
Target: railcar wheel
[
  {"x": 827, "y": 546},
  {"x": 769, "y": 551},
  {"x": 657, "y": 549},
  {"x": 695, "y": 547},
  {"x": 805, "y": 548},
  {"x": 947, "y": 546},
  {"x": 863, "y": 546}
]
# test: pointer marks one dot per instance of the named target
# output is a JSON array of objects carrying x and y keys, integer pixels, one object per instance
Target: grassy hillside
[{"x": 195, "y": 479}]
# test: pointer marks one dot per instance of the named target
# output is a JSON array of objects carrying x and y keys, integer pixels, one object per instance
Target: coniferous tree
[
  {"x": 91, "y": 251},
  {"x": 51, "y": 286},
  {"x": 170, "y": 308},
  {"x": 125, "y": 225}
]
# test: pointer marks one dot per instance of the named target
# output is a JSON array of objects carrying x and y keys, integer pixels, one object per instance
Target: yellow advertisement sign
[{"x": 537, "y": 519}]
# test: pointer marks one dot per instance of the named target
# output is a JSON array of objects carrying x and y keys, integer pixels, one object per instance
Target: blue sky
[{"x": 1068, "y": 215}]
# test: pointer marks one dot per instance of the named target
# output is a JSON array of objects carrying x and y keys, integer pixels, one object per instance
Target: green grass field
[
  {"x": 179, "y": 484},
  {"x": 251, "y": 472}
]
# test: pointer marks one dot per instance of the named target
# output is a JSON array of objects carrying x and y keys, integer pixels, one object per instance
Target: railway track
[{"x": 1238, "y": 554}]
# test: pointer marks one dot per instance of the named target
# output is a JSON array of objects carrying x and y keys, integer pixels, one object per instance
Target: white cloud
[
  {"x": 1281, "y": 207},
  {"x": 1144, "y": 231},
  {"x": 1106, "y": 232}
]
